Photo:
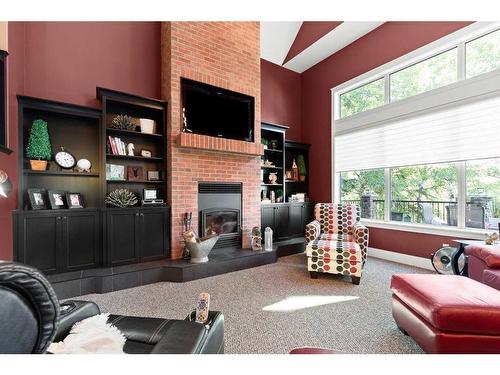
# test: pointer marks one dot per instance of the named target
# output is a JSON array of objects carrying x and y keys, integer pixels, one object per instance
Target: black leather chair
[{"x": 31, "y": 318}]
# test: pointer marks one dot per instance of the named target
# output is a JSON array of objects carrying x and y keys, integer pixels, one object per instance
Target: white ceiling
[{"x": 276, "y": 38}]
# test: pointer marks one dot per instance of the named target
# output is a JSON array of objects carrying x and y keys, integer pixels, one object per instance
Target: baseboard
[{"x": 409, "y": 260}]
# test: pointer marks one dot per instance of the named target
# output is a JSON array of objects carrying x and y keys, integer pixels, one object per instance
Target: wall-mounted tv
[{"x": 217, "y": 112}]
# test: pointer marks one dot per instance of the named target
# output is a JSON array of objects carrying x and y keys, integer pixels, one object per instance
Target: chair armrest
[
  {"x": 71, "y": 313},
  {"x": 361, "y": 237},
  {"x": 313, "y": 230}
]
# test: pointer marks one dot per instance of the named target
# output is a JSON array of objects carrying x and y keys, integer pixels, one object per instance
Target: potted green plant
[
  {"x": 279, "y": 195},
  {"x": 301, "y": 164},
  {"x": 265, "y": 142},
  {"x": 39, "y": 149}
]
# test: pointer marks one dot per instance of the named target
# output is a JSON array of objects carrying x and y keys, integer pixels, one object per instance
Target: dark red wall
[
  {"x": 388, "y": 42},
  {"x": 281, "y": 98},
  {"x": 66, "y": 61}
]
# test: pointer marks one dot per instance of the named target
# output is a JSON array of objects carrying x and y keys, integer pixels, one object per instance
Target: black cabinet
[
  {"x": 287, "y": 220},
  {"x": 134, "y": 235},
  {"x": 57, "y": 241}
]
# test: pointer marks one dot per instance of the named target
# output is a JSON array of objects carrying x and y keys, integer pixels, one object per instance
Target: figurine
[
  {"x": 130, "y": 149},
  {"x": 491, "y": 238}
]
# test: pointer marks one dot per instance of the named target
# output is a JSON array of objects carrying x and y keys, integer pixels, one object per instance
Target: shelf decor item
[
  {"x": 39, "y": 149},
  {"x": 74, "y": 200},
  {"x": 134, "y": 173},
  {"x": 153, "y": 175},
  {"x": 273, "y": 178},
  {"x": 130, "y": 149},
  {"x": 295, "y": 171},
  {"x": 115, "y": 172},
  {"x": 121, "y": 198},
  {"x": 147, "y": 125},
  {"x": 279, "y": 196},
  {"x": 37, "y": 199},
  {"x": 64, "y": 159},
  {"x": 264, "y": 142},
  {"x": 123, "y": 122},
  {"x": 301, "y": 164},
  {"x": 83, "y": 165},
  {"x": 274, "y": 144},
  {"x": 56, "y": 198},
  {"x": 146, "y": 153}
]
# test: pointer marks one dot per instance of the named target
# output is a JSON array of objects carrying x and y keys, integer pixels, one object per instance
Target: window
[
  {"x": 426, "y": 75},
  {"x": 482, "y": 209},
  {"x": 425, "y": 194},
  {"x": 363, "y": 98},
  {"x": 483, "y": 54},
  {"x": 366, "y": 189}
]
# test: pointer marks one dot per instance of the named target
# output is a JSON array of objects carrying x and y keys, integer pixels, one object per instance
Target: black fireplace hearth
[{"x": 219, "y": 207}]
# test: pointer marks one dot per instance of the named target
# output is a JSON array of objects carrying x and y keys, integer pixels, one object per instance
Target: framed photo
[
  {"x": 74, "y": 200},
  {"x": 115, "y": 172},
  {"x": 38, "y": 200},
  {"x": 150, "y": 194},
  {"x": 153, "y": 175},
  {"x": 56, "y": 199},
  {"x": 134, "y": 173},
  {"x": 146, "y": 153}
]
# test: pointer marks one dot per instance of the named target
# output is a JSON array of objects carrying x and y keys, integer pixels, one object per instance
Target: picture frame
[
  {"x": 153, "y": 175},
  {"x": 149, "y": 194},
  {"x": 135, "y": 173},
  {"x": 75, "y": 200},
  {"x": 38, "y": 199},
  {"x": 115, "y": 172},
  {"x": 57, "y": 199}
]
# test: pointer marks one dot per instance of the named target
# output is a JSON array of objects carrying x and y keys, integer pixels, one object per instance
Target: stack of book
[{"x": 116, "y": 146}]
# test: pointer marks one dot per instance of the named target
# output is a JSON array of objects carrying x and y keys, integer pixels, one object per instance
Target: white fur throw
[{"x": 91, "y": 336}]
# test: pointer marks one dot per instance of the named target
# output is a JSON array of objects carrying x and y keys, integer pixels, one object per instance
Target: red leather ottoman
[{"x": 447, "y": 313}]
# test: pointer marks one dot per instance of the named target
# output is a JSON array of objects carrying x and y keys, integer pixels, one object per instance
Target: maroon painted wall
[
  {"x": 65, "y": 61},
  {"x": 281, "y": 98},
  {"x": 388, "y": 42}
]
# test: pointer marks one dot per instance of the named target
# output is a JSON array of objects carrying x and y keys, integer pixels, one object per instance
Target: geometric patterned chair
[{"x": 336, "y": 241}]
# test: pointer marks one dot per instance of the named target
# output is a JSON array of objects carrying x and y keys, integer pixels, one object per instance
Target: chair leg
[
  {"x": 355, "y": 280},
  {"x": 314, "y": 275}
]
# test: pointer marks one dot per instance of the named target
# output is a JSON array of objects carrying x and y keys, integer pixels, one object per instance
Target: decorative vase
[
  {"x": 38, "y": 165},
  {"x": 302, "y": 178},
  {"x": 268, "y": 239},
  {"x": 274, "y": 144},
  {"x": 147, "y": 125},
  {"x": 288, "y": 174},
  {"x": 273, "y": 177}
]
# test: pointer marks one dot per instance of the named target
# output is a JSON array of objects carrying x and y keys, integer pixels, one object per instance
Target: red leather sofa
[
  {"x": 484, "y": 264},
  {"x": 447, "y": 313}
]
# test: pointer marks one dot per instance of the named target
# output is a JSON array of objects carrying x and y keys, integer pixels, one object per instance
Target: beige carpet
[{"x": 328, "y": 312}]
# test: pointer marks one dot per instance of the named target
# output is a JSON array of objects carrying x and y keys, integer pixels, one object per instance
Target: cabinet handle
[
  {"x": 137, "y": 214},
  {"x": 58, "y": 218},
  {"x": 142, "y": 214}
]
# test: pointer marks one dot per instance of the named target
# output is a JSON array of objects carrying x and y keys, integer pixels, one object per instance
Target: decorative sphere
[{"x": 84, "y": 165}]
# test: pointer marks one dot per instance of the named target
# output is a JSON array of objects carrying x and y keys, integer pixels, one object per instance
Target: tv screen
[{"x": 217, "y": 112}]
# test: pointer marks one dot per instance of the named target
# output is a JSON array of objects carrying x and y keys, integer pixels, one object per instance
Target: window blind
[{"x": 465, "y": 130}]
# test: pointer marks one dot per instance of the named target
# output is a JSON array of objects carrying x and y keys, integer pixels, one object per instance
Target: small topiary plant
[
  {"x": 39, "y": 146},
  {"x": 301, "y": 165}
]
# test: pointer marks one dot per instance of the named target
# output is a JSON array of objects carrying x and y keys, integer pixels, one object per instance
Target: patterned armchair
[{"x": 336, "y": 241}]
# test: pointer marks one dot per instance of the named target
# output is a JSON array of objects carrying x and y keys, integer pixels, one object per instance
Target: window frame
[{"x": 457, "y": 40}]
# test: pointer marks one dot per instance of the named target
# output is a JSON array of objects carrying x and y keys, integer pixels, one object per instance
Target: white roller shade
[{"x": 463, "y": 131}]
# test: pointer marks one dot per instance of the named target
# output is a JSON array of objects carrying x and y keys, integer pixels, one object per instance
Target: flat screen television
[{"x": 217, "y": 112}]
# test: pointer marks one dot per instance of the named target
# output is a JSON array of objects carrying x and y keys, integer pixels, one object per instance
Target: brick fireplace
[{"x": 226, "y": 55}]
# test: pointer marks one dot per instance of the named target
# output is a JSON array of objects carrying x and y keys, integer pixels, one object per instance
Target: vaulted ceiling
[{"x": 301, "y": 45}]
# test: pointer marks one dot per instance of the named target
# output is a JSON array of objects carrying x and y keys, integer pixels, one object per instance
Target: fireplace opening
[{"x": 219, "y": 207}]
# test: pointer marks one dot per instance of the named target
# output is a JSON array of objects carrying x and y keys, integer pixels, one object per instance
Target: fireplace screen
[{"x": 220, "y": 222}]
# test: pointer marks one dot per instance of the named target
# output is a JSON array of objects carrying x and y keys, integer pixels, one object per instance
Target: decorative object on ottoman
[
  {"x": 199, "y": 248},
  {"x": 336, "y": 241},
  {"x": 301, "y": 166},
  {"x": 268, "y": 239},
  {"x": 256, "y": 239},
  {"x": 39, "y": 149},
  {"x": 447, "y": 314},
  {"x": 121, "y": 198},
  {"x": 491, "y": 238},
  {"x": 123, "y": 122},
  {"x": 83, "y": 165},
  {"x": 147, "y": 126}
]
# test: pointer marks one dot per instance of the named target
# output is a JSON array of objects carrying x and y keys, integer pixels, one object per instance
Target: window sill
[{"x": 476, "y": 234}]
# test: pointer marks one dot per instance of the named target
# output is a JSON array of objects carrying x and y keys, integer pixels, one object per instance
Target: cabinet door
[
  {"x": 297, "y": 226},
  {"x": 308, "y": 213},
  {"x": 154, "y": 233},
  {"x": 267, "y": 218},
  {"x": 121, "y": 236},
  {"x": 39, "y": 242},
  {"x": 81, "y": 239},
  {"x": 281, "y": 222}
]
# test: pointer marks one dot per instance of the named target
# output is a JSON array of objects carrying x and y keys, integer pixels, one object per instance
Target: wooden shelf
[
  {"x": 270, "y": 167},
  {"x": 62, "y": 173},
  {"x": 262, "y": 184},
  {"x": 141, "y": 158},
  {"x": 133, "y": 133},
  {"x": 134, "y": 182},
  {"x": 295, "y": 182},
  {"x": 272, "y": 150}
]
